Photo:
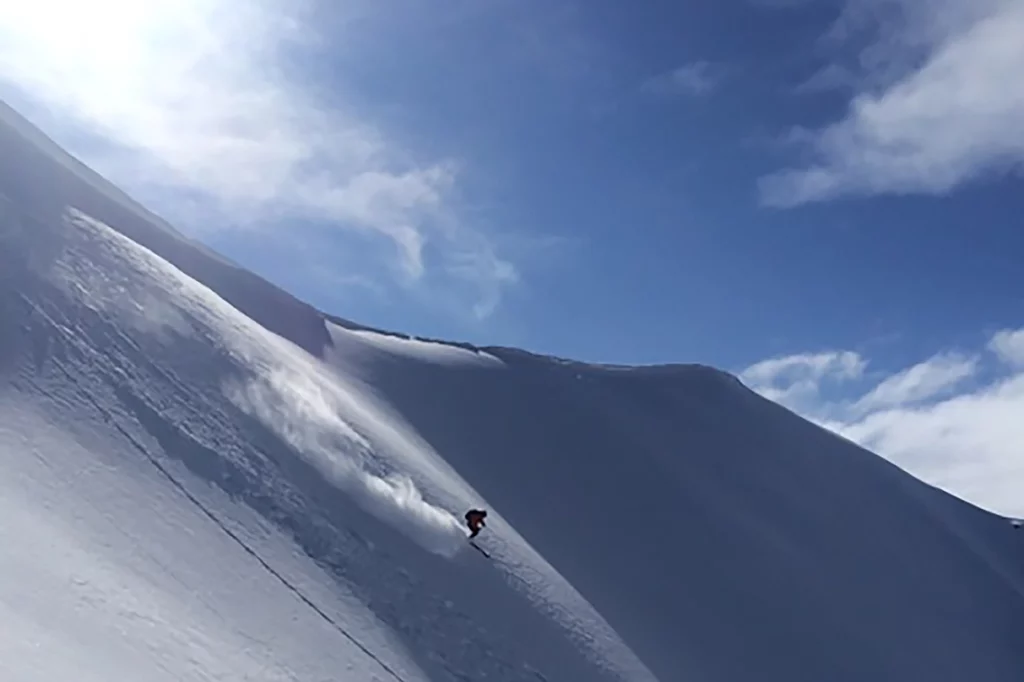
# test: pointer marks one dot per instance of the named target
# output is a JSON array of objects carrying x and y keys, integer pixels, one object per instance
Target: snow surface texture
[{"x": 186, "y": 495}]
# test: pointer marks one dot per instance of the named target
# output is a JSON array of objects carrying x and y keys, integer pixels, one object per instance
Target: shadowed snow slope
[{"x": 204, "y": 478}]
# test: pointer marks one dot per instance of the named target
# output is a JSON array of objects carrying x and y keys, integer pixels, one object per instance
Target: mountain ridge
[{"x": 73, "y": 183}]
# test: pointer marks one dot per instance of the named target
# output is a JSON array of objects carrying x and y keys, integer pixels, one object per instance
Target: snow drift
[{"x": 205, "y": 478}]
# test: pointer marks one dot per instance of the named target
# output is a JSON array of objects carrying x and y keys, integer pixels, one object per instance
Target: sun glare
[
  {"x": 67, "y": 49},
  {"x": 76, "y": 36}
]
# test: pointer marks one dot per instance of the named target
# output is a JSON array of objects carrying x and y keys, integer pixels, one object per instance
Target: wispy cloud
[
  {"x": 798, "y": 379},
  {"x": 694, "y": 79},
  {"x": 924, "y": 381},
  {"x": 937, "y": 102},
  {"x": 937, "y": 419},
  {"x": 197, "y": 88},
  {"x": 831, "y": 78}
]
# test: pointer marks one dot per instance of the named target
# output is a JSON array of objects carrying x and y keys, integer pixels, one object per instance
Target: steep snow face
[
  {"x": 43, "y": 179},
  {"x": 189, "y": 496},
  {"x": 109, "y": 573},
  {"x": 722, "y": 536},
  {"x": 178, "y": 383}
]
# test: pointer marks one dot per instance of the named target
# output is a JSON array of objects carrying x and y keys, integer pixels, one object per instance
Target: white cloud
[
  {"x": 1009, "y": 345},
  {"x": 923, "y": 381},
  {"x": 794, "y": 380},
  {"x": 197, "y": 88},
  {"x": 968, "y": 444},
  {"x": 964, "y": 437},
  {"x": 941, "y": 103},
  {"x": 696, "y": 78}
]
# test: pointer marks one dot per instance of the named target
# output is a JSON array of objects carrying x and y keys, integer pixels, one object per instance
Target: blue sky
[{"x": 832, "y": 186}]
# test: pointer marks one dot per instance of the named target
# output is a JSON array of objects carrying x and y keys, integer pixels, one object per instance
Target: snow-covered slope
[
  {"x": 43, "y": 179},
  {"x": 203, "y": 478},
  {"x": 720, "y": 534},
  {"x": 162, "y": 381}
]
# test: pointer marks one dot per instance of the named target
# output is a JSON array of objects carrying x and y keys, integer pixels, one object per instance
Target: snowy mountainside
[
  {"x": 110, "y": 334},
  {"x": 718, "y": 532},
  {"x": 204, "y": 478},
  {"x": 44, "y": 179}
]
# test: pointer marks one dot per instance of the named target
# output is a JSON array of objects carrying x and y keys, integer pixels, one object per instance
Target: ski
[{"x": 479, "y": 549}]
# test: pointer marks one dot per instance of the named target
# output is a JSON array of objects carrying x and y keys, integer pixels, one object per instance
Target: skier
[{"x": 475, "y": 521}]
